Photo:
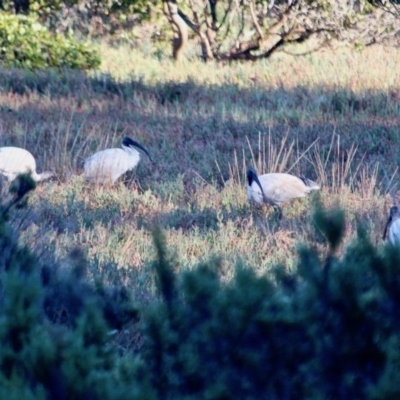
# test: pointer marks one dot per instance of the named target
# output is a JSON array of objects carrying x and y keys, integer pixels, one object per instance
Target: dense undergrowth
[
  {"x": 228, "y": 303},
  {"x": 331, "y": 117},
  {"x": 329, "y": 330},
  {"x": 27, "y": 44}
]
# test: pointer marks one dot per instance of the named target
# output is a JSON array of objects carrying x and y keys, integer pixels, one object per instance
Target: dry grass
[{"x": 332, "y": 117}]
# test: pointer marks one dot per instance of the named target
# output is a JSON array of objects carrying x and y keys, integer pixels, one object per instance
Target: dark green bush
[
  {"x": 330, "y": 330},
  {"x": 25, "y": 43},
  {"x": 95, "y": 18},
  {"x": 55, "y": 327}
]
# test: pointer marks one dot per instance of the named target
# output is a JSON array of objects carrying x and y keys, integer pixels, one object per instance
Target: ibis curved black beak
[
  {"x": 130, "y": 142},
  {"x": 393, "y": 215},
  {"x": 394, "y": 211},
  {"x": 252, "y": 177}
]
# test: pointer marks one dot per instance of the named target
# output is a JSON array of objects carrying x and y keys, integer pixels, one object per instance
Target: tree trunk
[{"x": 179, "y": 26}]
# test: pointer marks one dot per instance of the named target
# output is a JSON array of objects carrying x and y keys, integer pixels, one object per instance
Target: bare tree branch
[
  {"x": 382, "y": 5},
  {"x": 213, "y": 13},
  {"x": 176, "y": 20},
  {"x": 207, "y": 53},
  {"x": 255, "y": 22},
  {"x": 251, "y": 31}
]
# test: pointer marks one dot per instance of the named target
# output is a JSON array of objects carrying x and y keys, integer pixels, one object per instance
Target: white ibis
[
  {"x": 392, "y": 228},
  {"x": 15, "y": 161},
  {"x": 277, "y": 188},
  {"x": 106, "y": 166}
]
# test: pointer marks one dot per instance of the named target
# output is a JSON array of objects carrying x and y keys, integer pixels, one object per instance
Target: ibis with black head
[
  {"x": 106, "y": 166},
  {"x": 277, "y": 188}
]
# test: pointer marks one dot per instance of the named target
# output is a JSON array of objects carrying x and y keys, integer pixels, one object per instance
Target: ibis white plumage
[
  {"x": 392, "y": 228},
  {"x": 15, "y": 161},
  {"x": 106, "y": 166},
  {"x": 277, "y": 188}
]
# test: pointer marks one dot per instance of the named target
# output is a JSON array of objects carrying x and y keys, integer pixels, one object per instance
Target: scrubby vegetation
[
  {"x": 224, "y": 302},
  {"x": 25, "y": 43},
  {"x": 333, "y": 117},
  {"x": 328, "y": 330},
  {"x": 55, "y": 327}
]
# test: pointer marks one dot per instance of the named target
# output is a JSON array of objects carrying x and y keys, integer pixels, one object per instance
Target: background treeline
[
  {"x": 54, "y": 34},
  {"x": 223, "y": 30},
  {"x": 328, "y": 331},
  {"x": 96, "y": 18}
]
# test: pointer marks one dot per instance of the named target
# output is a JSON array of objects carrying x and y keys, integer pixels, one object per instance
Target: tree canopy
[
  {"x": 252, "y": 29},
  {"x": 233, "y": 29}
]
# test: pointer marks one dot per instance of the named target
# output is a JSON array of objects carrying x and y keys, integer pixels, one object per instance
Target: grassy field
[{"x": 332, "y": 117}]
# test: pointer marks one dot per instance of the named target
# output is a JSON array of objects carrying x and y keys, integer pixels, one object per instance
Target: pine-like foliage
[
  {"x": 44, "y": 357},
  {"x": 330, "y": 330}
]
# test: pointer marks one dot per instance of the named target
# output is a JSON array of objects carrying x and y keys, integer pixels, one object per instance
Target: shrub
[
  {"x": 43, "y": 357},
  {"x": 25, "y": 43},
  {"x": 328, "y": 331}
]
